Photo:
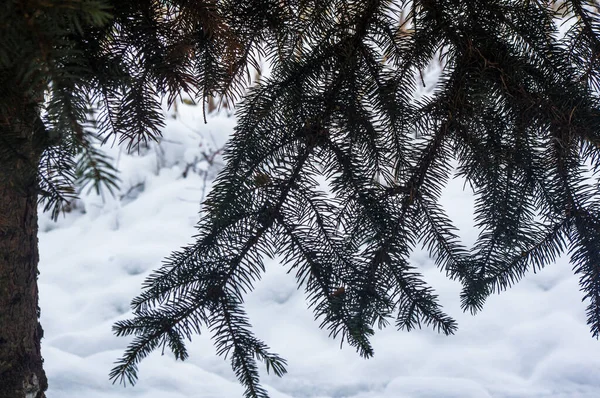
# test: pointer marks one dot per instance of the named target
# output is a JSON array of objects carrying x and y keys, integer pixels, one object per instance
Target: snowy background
[{"x": 531, "y": 341}]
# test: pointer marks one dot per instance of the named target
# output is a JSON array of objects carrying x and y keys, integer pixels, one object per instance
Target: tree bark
[{"x": 21, "y": 371}]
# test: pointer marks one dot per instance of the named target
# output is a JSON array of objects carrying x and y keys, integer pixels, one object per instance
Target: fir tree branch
[
  {"x": 440, "y": 240},
  {"x": 548, "y": 246},
  {"x": 231, "y": 334},
  {"x": 510, "y": 107}
]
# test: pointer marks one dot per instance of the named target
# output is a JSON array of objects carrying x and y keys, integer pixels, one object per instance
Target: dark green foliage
[
  {"x": 515, "y": 113},
  {"x": 97, "y": 69},
  {"x": 41, "y": 55},
  {"x": 516, "y": 109}
]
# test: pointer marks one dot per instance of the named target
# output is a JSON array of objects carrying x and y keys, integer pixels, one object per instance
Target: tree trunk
[{"x": 21, "y": 371}]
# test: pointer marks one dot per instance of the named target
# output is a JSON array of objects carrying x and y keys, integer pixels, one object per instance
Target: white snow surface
[{"x": 531, "y": 341}]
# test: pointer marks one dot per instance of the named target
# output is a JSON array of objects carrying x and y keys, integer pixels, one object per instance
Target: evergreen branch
[
  {"x": 393, "y": 234},
  {"x": 587, "y": 21},
  {"x": 126, "y": 369},
  {"x": 585, "y": 235},
  {"x": 336, "y": 243},
  {"x": 510, "y": 106},
  {"x": 154, "y": 329},
  {"x": 418, "y": 303},
  {"x": 54, "y": 168},
  {"x": 507, "y": 219},
  {"x": 56, "y": 179},
  {"x": 107, "y": 121},
  {"x": 213, "y": 226},
  {"x": 548, "y": 246},
  {"x": 95, "y": 168},
  {"x": 441, "y": 241},
  {"x": 231, "y": 335},
  {"x": 329, "y": 300},
  {"x": 139, "y": 117},
  {"x": 372, "y": 287},
  {"x": 322, "y": 259},
  {"x": 586, "y": 45},
  {"x": 178, "y": 272},
  {"x": 392, "y": 102},
  {"x": 229, "y": 281},
  {"x": 585, "y": 258}
]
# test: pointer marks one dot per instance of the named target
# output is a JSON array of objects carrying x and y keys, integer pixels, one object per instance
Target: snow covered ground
[{"x": 531, "y": 341}]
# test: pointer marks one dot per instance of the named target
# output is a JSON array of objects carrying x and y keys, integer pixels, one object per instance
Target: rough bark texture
[{"x": 21, "y": 371}]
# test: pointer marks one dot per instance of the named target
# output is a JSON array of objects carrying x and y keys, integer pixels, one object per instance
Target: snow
[{"x": 531, "y": 341}]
